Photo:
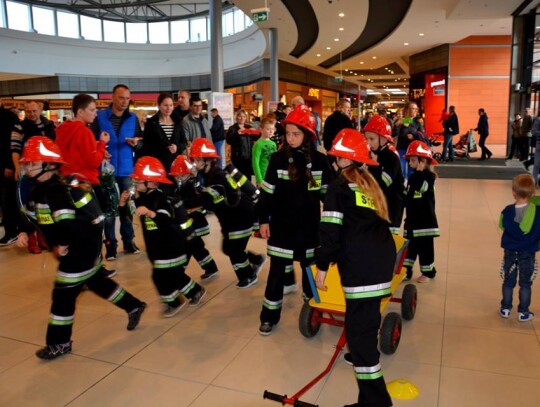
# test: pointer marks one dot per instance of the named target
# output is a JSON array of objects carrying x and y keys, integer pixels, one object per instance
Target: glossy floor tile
[{"x": 457, "y": 350}]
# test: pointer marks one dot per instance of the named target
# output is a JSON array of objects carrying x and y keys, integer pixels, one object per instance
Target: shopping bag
[
  {"x": 471, "y": 142},
  {"x": 109, "y": 187}
]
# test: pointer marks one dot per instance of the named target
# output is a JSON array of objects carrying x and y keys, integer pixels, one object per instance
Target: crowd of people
[{"x": 75, "y": 180}]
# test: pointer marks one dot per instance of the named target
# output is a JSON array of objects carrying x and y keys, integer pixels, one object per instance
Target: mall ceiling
[
  {"x": 371, "y": 40},
  {"x": 368, "y": 41}
]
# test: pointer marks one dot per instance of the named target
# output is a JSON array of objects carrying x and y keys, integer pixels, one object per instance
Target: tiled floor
[{"x": 457, "y": 350}]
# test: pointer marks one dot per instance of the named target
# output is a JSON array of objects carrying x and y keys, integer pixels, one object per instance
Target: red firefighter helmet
[
  {"x": 351, "y": 144},
  {"x": 41, "y": 148},
  {"x": 380, "y": 126},
  {"x": 302, "y": 117},
  {"x": 181, "y": 166},
  {"x": 150, "y": 169},
  {"x": 420, "y": 149},
  {"x": 203, "y": 148}
]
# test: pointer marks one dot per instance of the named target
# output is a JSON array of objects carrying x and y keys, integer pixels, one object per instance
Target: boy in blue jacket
[{"x": 520, "y": 223}]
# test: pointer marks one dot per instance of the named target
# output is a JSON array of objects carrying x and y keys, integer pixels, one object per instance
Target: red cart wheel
[
  {"x": 408, "y": 302},
  {"x": 390, "y": 333},
  {"x": 308, "y": 323}
]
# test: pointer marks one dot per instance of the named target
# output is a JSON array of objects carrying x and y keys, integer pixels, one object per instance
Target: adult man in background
[
  {"x": 297, "y": 100},
  {"x": 124, "y": 131},
  {"x": 182, "y": 110},
  {"x": 218, "y": 134},
  {"x": 34, "y": 124},
  {"x": 340, "y": 119},
  {"x": 195, "y": 124},
  {"x": 8, "y": 200}
]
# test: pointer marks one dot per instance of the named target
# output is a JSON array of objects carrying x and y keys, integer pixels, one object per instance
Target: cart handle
[
  {"x": 275, "y": 397},
  {"x": 283, "y": 399}
]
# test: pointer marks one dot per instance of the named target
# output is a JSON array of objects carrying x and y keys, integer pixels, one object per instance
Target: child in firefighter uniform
[
  {"x": 230, "y": 196},
  {"x": 68, "y": 214},
  {"x": 421, "y": 221},
  {"x": 354, "y": 233},
  {"x": 188, "y": 187},
  {"x": 289, "y": 211},
  {"x": 388, "y": 173},
  {"x": 163, "y": 237}
]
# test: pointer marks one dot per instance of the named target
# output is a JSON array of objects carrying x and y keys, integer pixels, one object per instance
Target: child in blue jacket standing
[{"x": 520, "y": 223}]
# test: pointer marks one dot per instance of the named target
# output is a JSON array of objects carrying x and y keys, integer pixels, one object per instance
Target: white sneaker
[
  {"x": 525, "y": 316},
  {"x": 504, "y": 313},
  {"x": 288, "y": 289}
]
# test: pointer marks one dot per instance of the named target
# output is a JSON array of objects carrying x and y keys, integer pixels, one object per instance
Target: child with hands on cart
[
  {"x": 164, "y": 237},
  {"x": 421, "y": 225},
  {"x": 67, "y": 213},
  {"x": 355, "y": 234}
]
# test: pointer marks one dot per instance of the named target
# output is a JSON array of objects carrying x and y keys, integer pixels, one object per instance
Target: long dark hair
[{"x": 306, "y": 147}]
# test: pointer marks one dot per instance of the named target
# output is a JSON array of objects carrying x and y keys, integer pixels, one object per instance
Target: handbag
[{"x": 471, "y": 143}]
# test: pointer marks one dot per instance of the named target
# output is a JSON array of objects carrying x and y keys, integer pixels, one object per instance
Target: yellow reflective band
[
  {"x": 149, "y": 224},
  {"x": 232, "y": 182},
  {"x": 83, "y": 201},
  {"x": 317, "y": 186},
  {"x": 44, "y": 219},
  {"x": 364, "y": 200},
  {"x": 187, "y": 224}
]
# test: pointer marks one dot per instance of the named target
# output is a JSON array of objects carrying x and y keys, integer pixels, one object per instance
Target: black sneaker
[
  {"x": 207, "y": 276},
  {"x": 135, "y": 316},
  {"x": 54, "y": 351},
  {"x": 110, "y": 253},
  {"x": 248, "y": 282},
  {"x": 196, "y": 300},
  {"x": 106, "y": 272},
  {"x": 266, "y": 328},
  {"x": 8, "y": 240},
  {"x": 408, "y": 274},
  {"x": 347, "y": 357},
  {"x": 132, "y": 248},
  {"x": 169, "y": 311}
]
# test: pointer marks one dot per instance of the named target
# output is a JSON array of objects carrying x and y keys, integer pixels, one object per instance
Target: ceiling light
[
  {"x": 346, "y": 70},
  {"x": 405, "y": 43},
  {"x": 374, "y": 57},
  {"x": 336, "y": 39},
  {"x": 328, "y": 48},
  {"x": 341, "y": 15},
  {"x": 341, "y": 28},
  {"x": 361, "y": 62},
  {"x": 421, "y": 34},
  {"x": 318, "y": 55}
]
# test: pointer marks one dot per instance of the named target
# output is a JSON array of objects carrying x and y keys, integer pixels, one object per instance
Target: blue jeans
[
  {"x": 221, "y": 151},
  {"x": 405, "y": 169},
  {"x": 448, "y": 146},
  {"x": 513, "y": 263},
  {"x": 126, "y": 223}
]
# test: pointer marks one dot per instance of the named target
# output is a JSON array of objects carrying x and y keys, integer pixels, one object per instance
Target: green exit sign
[{"x": 260, "y": 16}]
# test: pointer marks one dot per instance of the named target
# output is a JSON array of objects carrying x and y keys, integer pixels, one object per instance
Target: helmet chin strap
[{"x": 45, "y": 167}]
